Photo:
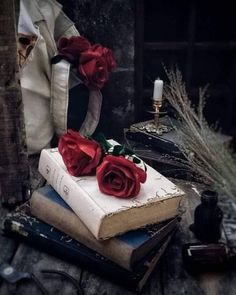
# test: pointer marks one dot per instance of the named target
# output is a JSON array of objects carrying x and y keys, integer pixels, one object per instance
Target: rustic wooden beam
[{"x": 14, "y": 169}]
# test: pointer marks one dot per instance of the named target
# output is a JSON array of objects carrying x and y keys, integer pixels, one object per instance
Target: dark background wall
[
  {"x": 110, "y": 23},
  {"x": 197, "y": 36},
  {"x": 200, "y": 38}
]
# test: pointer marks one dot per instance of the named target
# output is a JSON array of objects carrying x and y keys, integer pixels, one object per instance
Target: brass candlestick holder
[
  {"x": 157, "y": 104},
  {"x": 154, "y": 126}
]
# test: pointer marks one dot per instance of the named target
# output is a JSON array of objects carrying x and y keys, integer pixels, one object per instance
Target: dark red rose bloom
[
  {"x": 95, "y": 65},
  {"x": 71, "y": 48},
  {"x": 119, "y": 177},
  {"x": 80, "y": 155},
  {"x": 107, "y": 54}
]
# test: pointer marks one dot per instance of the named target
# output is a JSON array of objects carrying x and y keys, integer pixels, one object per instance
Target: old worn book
[
  {"x": 126, "y": 250},
  {"x": 169, "y": 142},
  {"x": 104, "y": 215},
  {"x": 21, "y": 225}
]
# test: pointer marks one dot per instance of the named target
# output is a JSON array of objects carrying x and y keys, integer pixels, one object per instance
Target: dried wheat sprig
[{"x": 214, "y": 162}]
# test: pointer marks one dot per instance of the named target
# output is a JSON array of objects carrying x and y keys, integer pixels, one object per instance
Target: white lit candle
[{"x": 158, "y": 89}]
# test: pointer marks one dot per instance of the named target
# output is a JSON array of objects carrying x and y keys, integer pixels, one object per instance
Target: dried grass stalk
[{"x": 212, "y": 160}]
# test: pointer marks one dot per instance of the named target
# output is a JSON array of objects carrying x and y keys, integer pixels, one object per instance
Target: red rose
[
  {"x": 80, "y": 155},
  {"x": 119, "y": 177},
  {"x": 107, "y": 54},
  {"x": 94, "y": 66},
  {"x": 71, "y": 48}
]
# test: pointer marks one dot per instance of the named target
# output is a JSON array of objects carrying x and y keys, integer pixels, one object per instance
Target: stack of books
[
  {"x": 164, "y": 150},
  {"x": 120, "y": 238}
]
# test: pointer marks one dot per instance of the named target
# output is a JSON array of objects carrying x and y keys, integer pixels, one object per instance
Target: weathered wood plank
[
  {"x": 154, "y": 284},
  {"x": 7, "y": 246},
  {"x": 93, "y": 285},
  {"x": 223, "y": 282},
  {"x": 30, "y": 260},
  {"x": 218, "y": 283},
  {"x": 176, "y": 279},
  {"x": 14, "y": 171}
]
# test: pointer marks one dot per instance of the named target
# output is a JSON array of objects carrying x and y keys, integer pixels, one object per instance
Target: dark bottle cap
[{"x": 209, "y": 197}]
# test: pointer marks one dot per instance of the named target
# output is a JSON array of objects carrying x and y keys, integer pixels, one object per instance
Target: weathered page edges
[{"x": 136, "y": 217}]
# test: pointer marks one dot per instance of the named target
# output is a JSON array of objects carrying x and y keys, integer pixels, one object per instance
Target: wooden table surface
[{"x": 169, "y": 277}]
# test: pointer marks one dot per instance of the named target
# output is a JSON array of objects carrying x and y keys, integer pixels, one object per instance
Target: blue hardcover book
[
  {"x": 125, "y": 250},
  {"x": 49, "y": 239}
]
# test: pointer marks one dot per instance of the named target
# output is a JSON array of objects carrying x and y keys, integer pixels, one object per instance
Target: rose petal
[
  {"x": 88, "y": 56},
  {"x": 71, "y": 48}
]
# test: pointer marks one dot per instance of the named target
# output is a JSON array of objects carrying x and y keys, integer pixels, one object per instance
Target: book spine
[
  {"x": 67, "y": 222},
  {"x": 154, "y": 141},
  {"x": 79, "y": 201},
  {"x": 162, "y": 234},
  {"x": 152, "y": 265}
]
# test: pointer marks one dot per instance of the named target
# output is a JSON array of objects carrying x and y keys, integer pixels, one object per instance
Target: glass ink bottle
[{"x": 207, "y": 218}]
